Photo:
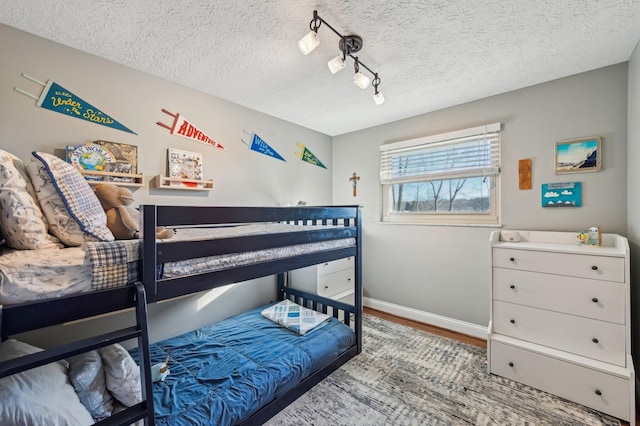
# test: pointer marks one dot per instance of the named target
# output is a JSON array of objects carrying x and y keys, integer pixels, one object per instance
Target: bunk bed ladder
[{"x": 142, "y": 410}]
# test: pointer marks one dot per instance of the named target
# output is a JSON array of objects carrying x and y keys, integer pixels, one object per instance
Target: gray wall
[
  {"x": 446, "y": 270},
  {"x": 633, "y": 196},
  {"x": 241, "y": 176}
]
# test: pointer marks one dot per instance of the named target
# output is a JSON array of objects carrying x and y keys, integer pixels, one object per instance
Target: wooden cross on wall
[{"x": 355, "y": 178}]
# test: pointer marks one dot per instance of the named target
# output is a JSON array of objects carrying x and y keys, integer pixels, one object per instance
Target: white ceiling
[{"x": 430, "y": 54}]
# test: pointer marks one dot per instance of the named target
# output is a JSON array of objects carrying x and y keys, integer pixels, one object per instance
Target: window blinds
[{"x": 465, "y": 153}]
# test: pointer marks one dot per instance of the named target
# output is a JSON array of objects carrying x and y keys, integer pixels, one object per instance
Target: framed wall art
[
  {"x": 578, "y": 155},
  {"x": 565, "y": 194}
]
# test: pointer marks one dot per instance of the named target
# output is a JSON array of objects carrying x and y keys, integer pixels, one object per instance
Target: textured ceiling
[{"x": 430, "y": 54}]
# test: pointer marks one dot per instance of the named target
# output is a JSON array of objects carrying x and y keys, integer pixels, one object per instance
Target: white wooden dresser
[
  {"x": 333, "y": 279},
  {"x": 560, "y": 318}
]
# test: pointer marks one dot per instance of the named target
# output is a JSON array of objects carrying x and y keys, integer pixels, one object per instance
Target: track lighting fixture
[{"x": 347, "y": 45}]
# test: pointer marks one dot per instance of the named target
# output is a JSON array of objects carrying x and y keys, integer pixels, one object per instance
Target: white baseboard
[{"x": 427, "y": 318}]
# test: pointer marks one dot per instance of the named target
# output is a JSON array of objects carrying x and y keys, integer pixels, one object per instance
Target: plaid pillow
[{"x": 68, "y": 202}]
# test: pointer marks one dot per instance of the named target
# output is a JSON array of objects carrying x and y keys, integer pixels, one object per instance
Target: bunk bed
[{"x": 321, "y": 234}]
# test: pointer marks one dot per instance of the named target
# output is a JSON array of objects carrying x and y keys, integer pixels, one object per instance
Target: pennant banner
[
  {"x": 183, "y": 127},
  {"x": 56, "y": 98},
  {"x": 259, "y": 145},
  {"x": 306, "y": 155}
]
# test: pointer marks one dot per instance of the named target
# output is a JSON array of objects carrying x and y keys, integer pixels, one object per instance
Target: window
[{"x": 451, "y": 178}]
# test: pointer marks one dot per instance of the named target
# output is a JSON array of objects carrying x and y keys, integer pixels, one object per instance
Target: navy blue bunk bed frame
[
  {"x": 19, "y": 318},
  {"x": 349, "y": 219}
]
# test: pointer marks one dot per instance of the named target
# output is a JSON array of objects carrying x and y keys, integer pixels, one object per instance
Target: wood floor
[
  {"x": 426, "y": 327},
  {"x": 447, "y": 333}
]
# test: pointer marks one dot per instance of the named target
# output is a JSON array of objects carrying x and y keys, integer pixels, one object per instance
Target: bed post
[
  {"x": 148, "y": 251},
  {"x": 358, "y": 279},
  {"x": 145, "y": 356},
  {"x": 282, "y": 283}
]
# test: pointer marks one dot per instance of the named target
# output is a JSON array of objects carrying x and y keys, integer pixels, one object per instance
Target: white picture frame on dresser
[{"x": 560, "y": 317}]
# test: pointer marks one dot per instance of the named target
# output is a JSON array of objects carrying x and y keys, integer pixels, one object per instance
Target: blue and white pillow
[
  {"x": 22, "y": 223},
  {"x": 74, "y": 212}
]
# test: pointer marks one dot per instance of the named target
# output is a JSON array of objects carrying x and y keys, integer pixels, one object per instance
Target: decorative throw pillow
[
  {"x": 22, "y": 223},
  {"x": 122, "y": 374},
  {"x": 40, "y": 396},
  {"x": 72, "y": 209},
  {"x": 87, "y": 377}
]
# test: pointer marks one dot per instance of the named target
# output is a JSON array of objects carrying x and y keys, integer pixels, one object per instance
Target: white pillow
[
  {"x": 87, "y": 377},
  {"x": 122, "y": 374},
  {"x": 74, "y": 212},
  {"x": 40, "y": 396},
  {"x": 22, "y": 223}
]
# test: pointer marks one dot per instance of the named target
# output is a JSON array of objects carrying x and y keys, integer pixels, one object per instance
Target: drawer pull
[
  {"x": 512, "y": 259},
  {"x": 513, "y": 321},
  {"x": 594, "y": 340},
  {"x": 510, "y": 364},
  {"x": 598, "y": 392},
  {"x": 326, "y": 286},
  {"x": 594, "y": 300},
  {"x": 512, "y": 287},
  {"x": 594, "y": 267}
]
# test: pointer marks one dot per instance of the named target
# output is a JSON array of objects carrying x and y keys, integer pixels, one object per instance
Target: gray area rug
[{"x": 406, "y": 376}]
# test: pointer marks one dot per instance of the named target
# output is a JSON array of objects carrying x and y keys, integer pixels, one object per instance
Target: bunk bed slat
[
  {"x": 37, "y": 359},
  {"x": 186, "y": 216},
  {"x": 33, "y": 315},
  {"x": 174, "y": 287},
  {"x": 180, "y": 250}
]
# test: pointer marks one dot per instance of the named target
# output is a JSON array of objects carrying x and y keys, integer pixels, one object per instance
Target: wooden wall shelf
[
  {"x": 136, "y": 179},
  {"x": 183, "y": 184}
]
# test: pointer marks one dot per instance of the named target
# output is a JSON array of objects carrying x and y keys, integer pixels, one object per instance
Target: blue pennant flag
[
  {"x": 259, "y": 145},
  {"x": 56, "y": 98}
]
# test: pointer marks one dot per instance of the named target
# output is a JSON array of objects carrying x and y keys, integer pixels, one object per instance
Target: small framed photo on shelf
[
  {"x": 125, "y": 168},
  {"x": 123, "y": 154},
  {"x": 184, "y": 165},
  {"x": 578, "y": 155}
]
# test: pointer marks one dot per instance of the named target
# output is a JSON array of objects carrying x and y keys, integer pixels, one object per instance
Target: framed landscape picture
[{"x": 578, "y": 155}]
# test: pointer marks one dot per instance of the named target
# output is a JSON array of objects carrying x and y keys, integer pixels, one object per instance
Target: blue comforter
[{"x": 223, "y": 373}]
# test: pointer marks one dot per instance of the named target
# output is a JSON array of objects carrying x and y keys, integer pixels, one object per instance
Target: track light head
[
  {"x": 311, "y": 40},
  {"x": 359, "y": 79},
  {"x": 336, "y": 64},
  {"x": 378, "y": 98}
]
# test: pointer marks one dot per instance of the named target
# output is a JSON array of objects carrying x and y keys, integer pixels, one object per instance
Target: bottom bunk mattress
[{"x": 222, "y": 373}]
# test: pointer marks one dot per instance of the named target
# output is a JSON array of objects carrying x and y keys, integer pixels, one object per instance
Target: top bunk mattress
[{"x": 27, "y": 275}]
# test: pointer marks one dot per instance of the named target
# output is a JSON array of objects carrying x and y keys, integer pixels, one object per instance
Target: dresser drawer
[
  {"x": 595, "y": 339},
  {"x": 595, "y": 267},
  {"x": 335, "y": 266},
  {"x": 337, "y": 282},
  {"x": 565, "y": 379},
  {"x": 602, "y": 300}
]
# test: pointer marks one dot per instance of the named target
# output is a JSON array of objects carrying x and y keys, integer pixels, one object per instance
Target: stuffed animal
[{"x": 123, "y": 221}]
